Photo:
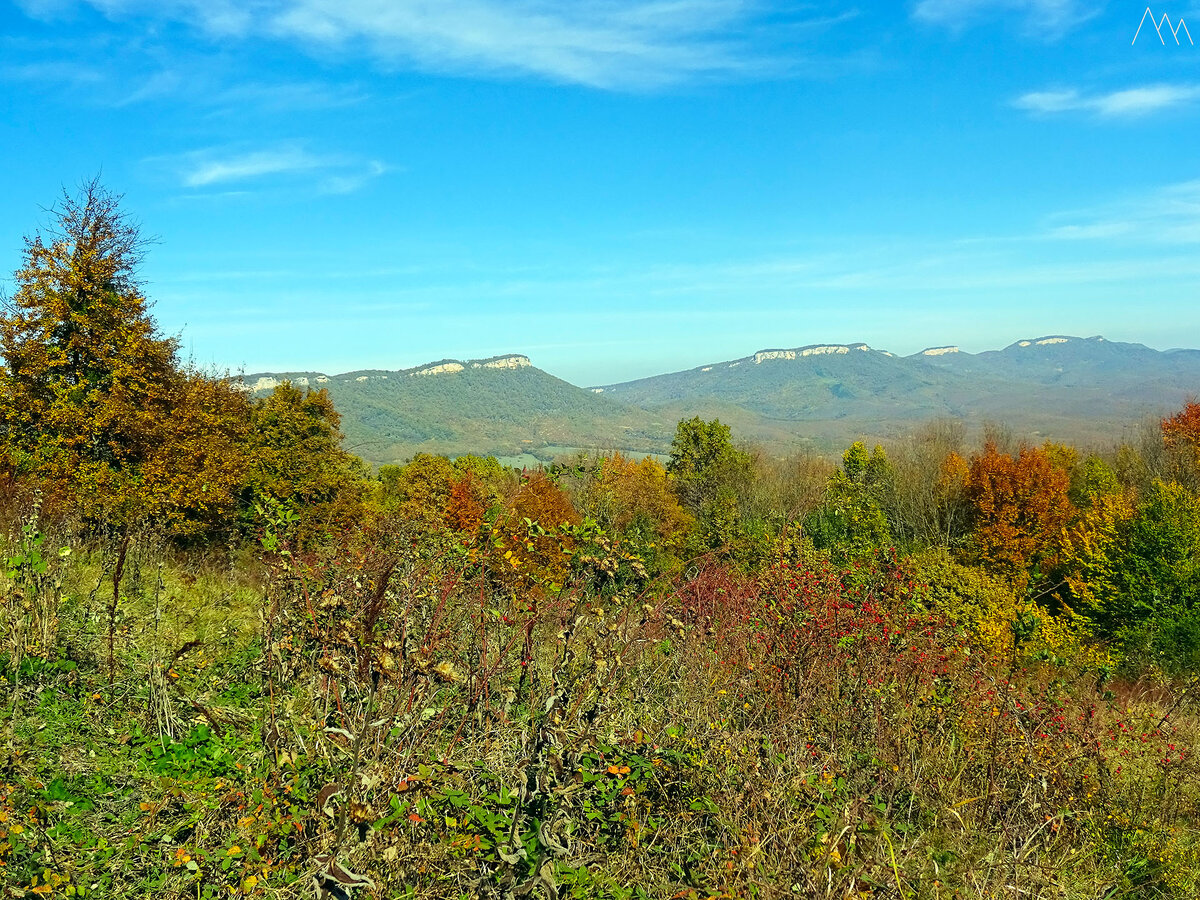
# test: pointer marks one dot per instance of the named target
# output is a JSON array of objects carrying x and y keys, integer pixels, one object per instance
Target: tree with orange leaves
[
  {"x": 1019, "y": 509},
  {"x": 1182, "y": 431},
  {"x": 531, "y": 546},
  {"x": 466, "y": 503},
  {"x": 94, "y": 403}
]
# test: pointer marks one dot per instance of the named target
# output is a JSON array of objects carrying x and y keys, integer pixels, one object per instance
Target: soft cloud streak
[
  {"x": 288, "y": 96},
  {"x": 1168, "y": 215},
  {"x": 250, "y": 165},
  {"x": 613, "y": 44},
  {"x": 349, "y": 182},
  {"x": 59, "y": 72},
  {"x": 330, "y": 174},
  {"x": 1128, "y": 103},
  {"x": 601, "y": 45}
]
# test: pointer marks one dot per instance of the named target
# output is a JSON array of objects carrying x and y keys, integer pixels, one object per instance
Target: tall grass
[{"x": 393, "y": 717}]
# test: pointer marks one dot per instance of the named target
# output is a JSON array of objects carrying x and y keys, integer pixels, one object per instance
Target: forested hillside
[
  {"x": 238, "y": 662},
  {"x": 815, "y": 398},
  {"x": 501, "y": 406},
  {"x": 1057, "y": 387}
]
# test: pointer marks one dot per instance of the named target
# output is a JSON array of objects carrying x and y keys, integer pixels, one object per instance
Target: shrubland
[{"x": 237, "y": 663}]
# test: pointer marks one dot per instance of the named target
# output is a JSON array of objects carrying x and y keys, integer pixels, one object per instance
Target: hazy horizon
[{"x": 534, "y": 362}]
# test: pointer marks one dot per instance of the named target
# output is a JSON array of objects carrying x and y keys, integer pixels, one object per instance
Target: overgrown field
[{"x": 522, "y": 712}]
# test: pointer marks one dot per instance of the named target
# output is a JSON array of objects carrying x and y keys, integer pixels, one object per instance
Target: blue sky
[{"x": 619, "y": 188}]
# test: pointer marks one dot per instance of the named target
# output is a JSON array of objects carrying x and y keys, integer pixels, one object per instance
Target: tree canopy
[
  {"x": 94, "y": 401},
  {"x": 705, "y": 464}
]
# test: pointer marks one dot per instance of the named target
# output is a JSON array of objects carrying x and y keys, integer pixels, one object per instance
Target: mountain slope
[
  {"x": 502, "y": 405},
  {"x": 1066, "y": 387},
  {"x": 1066, "y": 360},
  {"x": 822, "y": 396},
  {"x": 820, "y": 381}
]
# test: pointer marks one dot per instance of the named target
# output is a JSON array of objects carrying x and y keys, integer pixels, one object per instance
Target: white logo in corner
[{"x": 1158, "y": 24}]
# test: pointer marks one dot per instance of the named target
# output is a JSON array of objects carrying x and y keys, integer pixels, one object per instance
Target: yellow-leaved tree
[{"x": 94, "y": 403}]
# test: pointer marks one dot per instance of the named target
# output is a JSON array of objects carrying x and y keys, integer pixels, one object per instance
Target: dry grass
[{"x": 402, "y": 723}]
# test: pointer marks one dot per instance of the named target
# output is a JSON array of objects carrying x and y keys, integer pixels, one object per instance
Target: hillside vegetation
[
  {"x": 237, "y": 663},
  {"x": 816, "y": 398},
  {"x": 476, "y": 408},
  {"x": 1059, "y": 387}
]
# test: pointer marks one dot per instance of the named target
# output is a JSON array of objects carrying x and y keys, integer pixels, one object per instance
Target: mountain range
[
  {"x": 502, "y": 406},
  {"x": 817, "y": 397}
]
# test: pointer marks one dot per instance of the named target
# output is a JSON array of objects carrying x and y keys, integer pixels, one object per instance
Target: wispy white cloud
[
  {"x": 160, "y": 84},
  {"x": 1166, "y": 215},
  {"x": 218, "y": 92},
  {"x": 219, "y": 17},
  {"x": 1128, "y": 103},
  {"x": 249, "y": 165},
  {"x": 46, "y": 10},
  {"x": 350, "y": 181},
  {"x": 618, "y": 44},
  {"x": 1092, "y": 231},
  {"x": 216, "y": 168},
  {"x": 1050, "y": 19},
  {"x": 603, "y": 45},
  {"x": 208, "y": 88}
]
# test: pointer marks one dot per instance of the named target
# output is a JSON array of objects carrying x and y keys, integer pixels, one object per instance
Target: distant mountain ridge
[
  {"x": 265, "y": 381},
  {"x": 501, "y": 405},
  {"x": 817, "y": 395},
  {"x": 1056, "y": 385}
]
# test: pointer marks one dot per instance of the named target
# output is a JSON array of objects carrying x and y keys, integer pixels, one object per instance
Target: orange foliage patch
[
  {"x": 1182, "y": 430},
  {"x": 641, "y": 490},
  {"x": 1020, "y": 507},
  {"x": 466, "y": 504},
  {"x": 531, "y": 551}
]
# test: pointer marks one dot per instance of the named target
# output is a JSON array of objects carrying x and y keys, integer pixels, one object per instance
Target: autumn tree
[
  {"x": 1063, "y": 457},
  {"x": 631, "y": 497},
  {"x": 1019, "y": 507},
  {"x": 480, "y": 485},
  {"x": 1182, "y": 430},
  {"x": 196, "y": 470},
  {"x": 93, "y": 400},
  {"x": 1092, "y": 480},
  {"x": 529, "y": 539},
  {"x": 430, "y": 491},
  {"x": 467, "y": 503},
  {"x": 1092, "y": 555},
  {"x": 297, "y": 459},
  {"x": 418, "y": 491},
  {"x": 1181, "y": 434}
]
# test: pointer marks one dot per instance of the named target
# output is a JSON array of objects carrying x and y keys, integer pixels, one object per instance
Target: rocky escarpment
[{"x": 259, "y": 383}]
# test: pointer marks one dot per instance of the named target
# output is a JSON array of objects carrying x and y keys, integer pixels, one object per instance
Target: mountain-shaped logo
[{"x": 1158, "y": 28}]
